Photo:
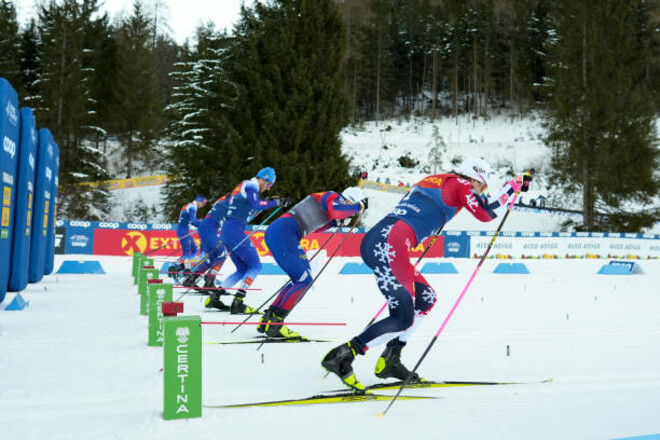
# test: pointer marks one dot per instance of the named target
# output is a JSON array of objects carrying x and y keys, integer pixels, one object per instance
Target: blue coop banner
[
  {"x": 27, "y": 158},
  {"x": 50, "y": 237},
  {"x": 9, "y": 128},
  {"x": 42, "y": 205},
  {"x": 79, "y": 238}
]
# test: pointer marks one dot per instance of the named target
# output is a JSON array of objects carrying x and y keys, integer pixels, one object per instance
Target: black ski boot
[
  {"x": 190, "y": 280},
  {"x": 265, "y": 319},
  {"x": 389, "y": 363},
  {"x": 209, "y": 282},
  {"x": 339, "y": 361},
  {"x": 238, "y": 306},
  {"x": 213, "y": 301},
  {"x": 280, "y": 330}
]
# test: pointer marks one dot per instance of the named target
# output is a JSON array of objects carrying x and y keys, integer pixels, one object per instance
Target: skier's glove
[
  {"x": 527, "y": 179},
  {"x": 364, "y": 203},
  {"x": 285, "y": 202},
  {"x": 521, "y": 183}
]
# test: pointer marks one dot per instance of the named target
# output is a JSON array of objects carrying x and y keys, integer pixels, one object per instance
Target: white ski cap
[
  {"x": 477, "y": 169},
  {"x": 353, "y": 194}
]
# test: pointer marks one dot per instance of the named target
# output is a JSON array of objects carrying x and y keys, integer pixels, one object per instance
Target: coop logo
[
  {"x": 140, "y": 226},
  {"x": 133, "y": 242},
  {"x": 49, "y": 173},
  {"x": 11, "y": 113},
  {"x": 31, "y": 161},
  {"x": 108, "y": 225},
  {"x": 80, "y": 224},
  {"x": 9, "y": 146},
  {"x": 454, "y": 247},
  {"x": 163, "y": 227},
  {"x": 33, "y": 134},
  {"x": 79, "y": 241},
  {"x": 50, "y": 150}
]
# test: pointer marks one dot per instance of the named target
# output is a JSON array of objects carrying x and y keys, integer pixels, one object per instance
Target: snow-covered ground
[{"x": 75, "y": 364}]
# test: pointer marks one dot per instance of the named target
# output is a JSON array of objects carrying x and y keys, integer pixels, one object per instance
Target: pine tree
[
  {"x": 287, "y": 61},
  {"x": 66, "y": 102},
  {"x": 30, "y": 64},
  {"x": 9, "y": 46},
  {"x": 200, "y": 159},
  {"x": 139, "y": 124},
  {"x": 601, "y": 118}
]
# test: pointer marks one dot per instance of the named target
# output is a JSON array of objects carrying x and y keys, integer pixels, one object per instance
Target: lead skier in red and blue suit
[
  {"x": 316, "y": 212},
  {"x": 421, "y": 213}
]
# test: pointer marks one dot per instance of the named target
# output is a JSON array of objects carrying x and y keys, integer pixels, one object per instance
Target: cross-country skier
[
  {"x": 187, "y": 218},
  {"x": 241, "y": 206},
  {"x": 316, "y": 212},
  {"x": 422, "y": 212},
  {"x": 214, "y": 250}
]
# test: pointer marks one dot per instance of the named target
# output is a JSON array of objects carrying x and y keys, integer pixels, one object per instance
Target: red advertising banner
[
  {"x": 165, "y": 243},
  {"x": 126, "y": 242}
]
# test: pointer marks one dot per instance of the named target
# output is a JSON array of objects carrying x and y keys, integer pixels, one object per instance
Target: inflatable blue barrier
[
  {"x": 9, "y": 133},
  {"x": 42, "y": 206},
  {"x": 271, "y": 269},
  {"x": 356, "y": 269},
  {"x": 438, "y": 268},
  {"x": 49, "y": 259},
  {"x": 17, "y": 303},
  {"x": 511, "y": 268},
  {"x": 27, "y": 156},
  {"x": 621, "y": 268},
  {"x": 81, "y": 267}
]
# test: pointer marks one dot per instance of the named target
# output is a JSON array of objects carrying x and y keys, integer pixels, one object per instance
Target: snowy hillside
[{"x": 510, "y": 146}]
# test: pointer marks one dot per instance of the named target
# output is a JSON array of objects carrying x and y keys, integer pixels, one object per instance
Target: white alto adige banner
[{"x": 566, "y": 245}]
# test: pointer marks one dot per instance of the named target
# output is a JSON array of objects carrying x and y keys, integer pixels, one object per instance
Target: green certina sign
[
  {"x": 182, "y": 367},
  {"x": 158, "y": 293}
]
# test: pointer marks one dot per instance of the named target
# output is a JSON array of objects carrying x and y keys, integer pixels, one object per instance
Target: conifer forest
[{"x": 278, "y": 88}]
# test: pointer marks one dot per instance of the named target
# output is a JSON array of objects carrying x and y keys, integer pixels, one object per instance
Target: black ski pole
[
  {"x": 247, "y": 318},
  {"x": 325, "y": 265},
  {"x": 194, "y": 268}
]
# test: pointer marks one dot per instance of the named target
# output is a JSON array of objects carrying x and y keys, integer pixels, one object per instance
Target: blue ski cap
[
  {"x": 200, "y": 199},
  {"x": 267, "y": 174}
]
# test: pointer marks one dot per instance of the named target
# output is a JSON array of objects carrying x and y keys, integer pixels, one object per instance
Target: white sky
[{"x": 183, "y": 16}]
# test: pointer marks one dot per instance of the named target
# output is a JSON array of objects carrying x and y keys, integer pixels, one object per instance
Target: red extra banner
[{"x": 165, "y": 243}]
